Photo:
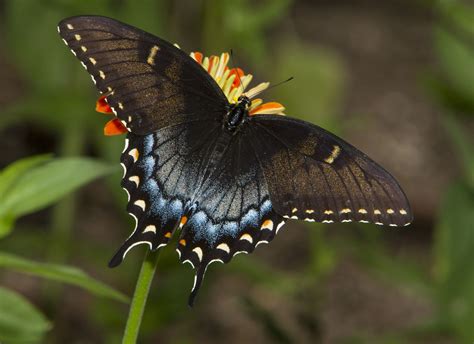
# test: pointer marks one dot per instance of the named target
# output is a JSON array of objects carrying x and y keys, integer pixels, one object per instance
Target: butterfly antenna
[
  {"x": 236, "y": 69},
  {"x": 273, "y": 86}
]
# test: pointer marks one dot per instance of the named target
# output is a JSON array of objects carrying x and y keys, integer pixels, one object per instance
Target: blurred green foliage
[{"x": 59, "y": 98}]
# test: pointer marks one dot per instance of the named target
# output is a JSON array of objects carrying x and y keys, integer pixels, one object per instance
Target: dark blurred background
[{"x": 394, "y": 77}]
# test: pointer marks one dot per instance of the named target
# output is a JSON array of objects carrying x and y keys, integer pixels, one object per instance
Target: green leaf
[
  {"x": 453, "y": 43},
  {"x": 61, "y": 273},
  {"x": 45, "y": 184},
  {"x": 20, "y": 322},
  {"x": 462, "y": 145},
  {"x": 10, "y": 174},
  {"x": 454, "y": 247}
]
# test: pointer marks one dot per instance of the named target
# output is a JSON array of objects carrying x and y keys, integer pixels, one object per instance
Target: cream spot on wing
[
  {"x": 345, "y": 211},
  {"x": 120, "y": 105},
  {"x": 151, "y": 56},
  {"x": 403, "y": 211},
  {"x": 390, "y": 211},
  {"x": 134, "y": 154},
  {"x": 77, "y": 37},
  {"x": 294, "y": 210},
  {"x": 83, "y": 48},
  {"x": 377, "y": 212},
  {"x": 93, "y": 60},
  {"x": 334, "y": 154},
  {"x": 69, "y": 26},
  {"x": 309, "y": 211},
  {"x": 135, "y": 179},
  {"x": 140, "y": 203},
  {"x": 267, "y": 224},
  {"x": 328, "y": 212},
  {"x": 362, "y": 211},
  {"x": 247, "y": 237},
  {"x": 328, "y": 221},
  {"x": 224, "y": 247},
  {"x": 101, "y": 74},
  {"x": 198, "y": 252},
  {"x": 150, "y": 228}
]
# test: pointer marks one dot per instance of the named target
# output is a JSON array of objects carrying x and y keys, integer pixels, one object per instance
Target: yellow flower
[{"x": 234, "y": 83}]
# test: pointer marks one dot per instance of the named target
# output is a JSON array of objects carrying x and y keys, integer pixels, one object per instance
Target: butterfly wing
[
  {"x": 232, "y": 212},
  {"x": 161, "y": 171},
  {"x": 179, "y": 177},
  {"x": 313, "y": 175},
  {"x": 149, "y": 82}
]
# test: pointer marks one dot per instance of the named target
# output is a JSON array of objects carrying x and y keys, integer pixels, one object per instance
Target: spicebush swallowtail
[{"x": 202, "y": 157}]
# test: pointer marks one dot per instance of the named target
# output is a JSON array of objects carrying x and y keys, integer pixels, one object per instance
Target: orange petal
[
  {"x": 198, "y": 57},
  {"x": 271, "y": 108},
  {"x": 114, "y": 127},
  {"x": 102, "y": 106},
  {"x": 212, "y": 60},
  {"x": 239, "y": 73}
]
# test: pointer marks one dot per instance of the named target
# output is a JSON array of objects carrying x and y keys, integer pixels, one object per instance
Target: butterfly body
[{"x": 199, "y": 157}]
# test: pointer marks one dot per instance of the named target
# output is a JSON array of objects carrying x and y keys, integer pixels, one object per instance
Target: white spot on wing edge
[
  {"x": 124, "y": 169},
  {"x": 127, "y": 141},
  {"x": 262, "y": 242},
  {"x": 135, "y": 244},
  {"x": 279, "y": 226}
]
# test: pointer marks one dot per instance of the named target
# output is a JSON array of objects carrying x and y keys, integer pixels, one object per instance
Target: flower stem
[{"x": 140, "y": 296}]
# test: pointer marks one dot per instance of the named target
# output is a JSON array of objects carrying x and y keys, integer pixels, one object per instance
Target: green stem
[{"x": 140, "y": 296}]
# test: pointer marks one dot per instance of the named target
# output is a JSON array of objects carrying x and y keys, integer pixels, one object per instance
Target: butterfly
[{"x": 204, "y": 159}]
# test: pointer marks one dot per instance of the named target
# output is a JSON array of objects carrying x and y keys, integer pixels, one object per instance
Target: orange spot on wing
[
  {"x": 183, "y": 221},
  {"x": 114, "y": 127},
  {"x": 102, "y": 106},
  {"x": 270, "y": 108},
  {"x": 168, "y": 235},
  {"x": 182, "y": 242},
  {"x": 267, "y": 223}
]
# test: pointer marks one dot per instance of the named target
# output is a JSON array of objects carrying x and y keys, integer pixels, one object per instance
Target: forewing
[
  {"x": 149, "y": 83},
  {"x": 315, "y": 176}
]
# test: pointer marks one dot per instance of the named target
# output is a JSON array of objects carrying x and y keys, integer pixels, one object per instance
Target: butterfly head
[{"x": 244, "y": 101}]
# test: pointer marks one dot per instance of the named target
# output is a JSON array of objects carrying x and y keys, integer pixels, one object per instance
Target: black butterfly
[{"x": 194, "y": 160}]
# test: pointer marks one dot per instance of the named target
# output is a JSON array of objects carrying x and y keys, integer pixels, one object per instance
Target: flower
[{"x": 233, "y": 83}]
